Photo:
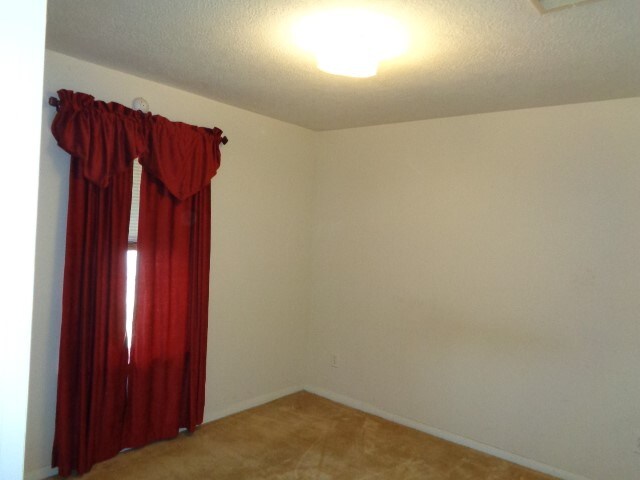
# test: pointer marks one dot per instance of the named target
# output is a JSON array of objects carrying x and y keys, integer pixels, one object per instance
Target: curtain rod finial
[{"x": 224, "y": 140}]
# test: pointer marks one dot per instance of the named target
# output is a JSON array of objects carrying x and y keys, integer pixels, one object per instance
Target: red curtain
[
  {"x": 93, "y": 351},
  {"x": 104, "y": 404},
  {"x": 168, "y": 353}
]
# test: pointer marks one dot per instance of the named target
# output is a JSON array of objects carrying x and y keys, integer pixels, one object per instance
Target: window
[
  {"x": 132, "y": 257},
  {"x": 132, "y": 253}
]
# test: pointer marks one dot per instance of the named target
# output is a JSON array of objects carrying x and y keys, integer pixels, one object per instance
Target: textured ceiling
[{"x": 467, "y": 56}]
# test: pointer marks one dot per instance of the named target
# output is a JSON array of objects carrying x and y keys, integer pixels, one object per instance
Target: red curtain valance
[{"x": 107, "y": 137}]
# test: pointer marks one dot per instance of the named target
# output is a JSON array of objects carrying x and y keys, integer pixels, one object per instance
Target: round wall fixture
[{"x": 140, "y": 104}]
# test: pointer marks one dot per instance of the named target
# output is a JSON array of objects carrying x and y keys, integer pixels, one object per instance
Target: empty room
[{"x": 323, "y": 240}]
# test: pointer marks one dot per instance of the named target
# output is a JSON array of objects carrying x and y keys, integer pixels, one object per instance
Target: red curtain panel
[
  {"x": 92, "y": 367},
  {"x": 105, "y": 404},
  {"x": 168, "y": 353},
  {"x": 93, "y": 350}
]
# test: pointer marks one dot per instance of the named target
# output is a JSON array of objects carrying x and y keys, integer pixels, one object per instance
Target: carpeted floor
[{"x": 303, "y": 436}]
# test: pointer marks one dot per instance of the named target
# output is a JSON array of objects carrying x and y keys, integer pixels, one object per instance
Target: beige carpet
[{"x": 303, "y": 436}]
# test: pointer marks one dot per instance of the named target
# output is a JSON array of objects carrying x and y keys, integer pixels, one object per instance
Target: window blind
[{"x": 135, "y": 203}]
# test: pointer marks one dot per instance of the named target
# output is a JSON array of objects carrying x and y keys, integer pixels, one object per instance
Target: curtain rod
[{"x": 55, "y": 102}]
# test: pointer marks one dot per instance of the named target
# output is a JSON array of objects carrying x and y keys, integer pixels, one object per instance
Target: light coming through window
[{"x": 132, "y": 257}]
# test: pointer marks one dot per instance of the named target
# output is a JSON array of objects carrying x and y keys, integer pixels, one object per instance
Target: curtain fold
[{"x": 105, "y": 404}]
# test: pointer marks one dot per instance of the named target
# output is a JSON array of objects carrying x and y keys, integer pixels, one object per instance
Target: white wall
[
  {"x": 477, "y": 275},
  {"x": 260, "y": 256},
  {"x": 22, "y": 28},
  {"x": 480, "y": 275}
]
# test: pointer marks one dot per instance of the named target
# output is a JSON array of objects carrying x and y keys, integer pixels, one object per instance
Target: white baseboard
[
  {"x": 208, "y": 417},
  {"x": 451, "y": 437},
  {"x": 41, "y": 473},
  {"x": 247, "y": 404}
]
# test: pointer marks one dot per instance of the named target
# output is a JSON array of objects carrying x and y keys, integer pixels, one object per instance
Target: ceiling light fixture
[
  {"x": 351, "y": 42},
  {"x": 545, "y": 6}
]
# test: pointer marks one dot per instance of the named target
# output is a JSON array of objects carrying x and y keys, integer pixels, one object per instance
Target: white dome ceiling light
[
  {"x": 545, "y": 6},
  {"x": 351, "y": 42}
]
